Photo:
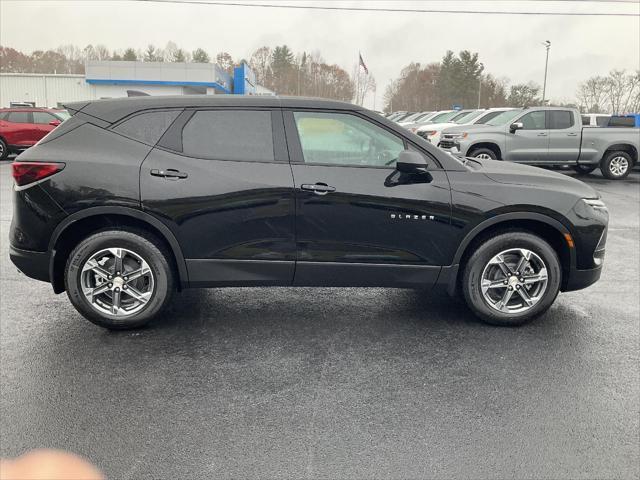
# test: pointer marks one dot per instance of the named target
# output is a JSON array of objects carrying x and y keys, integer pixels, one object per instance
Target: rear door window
[
  {"x": 147, "y": 127},
  {"x": 18, "y": 117},
  {"x": 560, "y": 119},
  {"x": 240, "y": 135}
]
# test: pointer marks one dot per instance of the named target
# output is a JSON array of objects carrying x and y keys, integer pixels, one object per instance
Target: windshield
[
  {"x": 422, "y": 116},
  {"x": 503, "y": 118},
  {"x": 468, "y": 117},
  {"x": 412, "y": 117},
  {"x": 62, "y": 114},
  {"x": 443, "y": 117}
]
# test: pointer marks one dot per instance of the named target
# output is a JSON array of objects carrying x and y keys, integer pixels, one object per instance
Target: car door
[
  {"x": 221, "y": 180},
  {"x": 359, "y": 221},
  {"x": 22, "y": 130},
  {"x": 529, "y": 144},
  {"x": 44, "y": 122},
  {"x": 564, "y": 136}
]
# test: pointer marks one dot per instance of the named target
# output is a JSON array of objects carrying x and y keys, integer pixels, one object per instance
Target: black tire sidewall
[
  {"x": 584, "y": 169},
  {"x": 606, "y": 165},
  {"x": 5, "y": 151},
  {"x": 141, "y": 245},
  {"x": 478, "y": 151},
  {"x": 485, "y": 252}
]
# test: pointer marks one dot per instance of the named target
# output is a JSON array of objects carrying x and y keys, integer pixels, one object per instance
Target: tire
[
  {"x": 153, "y": 289},
  {"x": 616, "y": 165},
  {"x": 484, "y": 153},
  {"x": 4, "y": 150},
  {"x": 480, "y": 267},
  {"x": 584, "y": 169}
]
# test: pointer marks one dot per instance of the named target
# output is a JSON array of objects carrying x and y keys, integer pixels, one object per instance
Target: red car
[{"x": 23, "y": 127}]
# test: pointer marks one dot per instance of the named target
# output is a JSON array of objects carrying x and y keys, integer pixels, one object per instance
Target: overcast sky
[{"x": 509, "y": 45}]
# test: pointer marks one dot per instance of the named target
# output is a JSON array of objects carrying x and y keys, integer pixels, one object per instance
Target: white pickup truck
[{"x": 548, "y": 136}]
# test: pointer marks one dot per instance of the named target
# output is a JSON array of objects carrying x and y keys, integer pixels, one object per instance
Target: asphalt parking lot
[{"x": 332, "y": 383}]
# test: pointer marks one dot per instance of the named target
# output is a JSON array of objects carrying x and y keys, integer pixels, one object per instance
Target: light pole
[
  {"x": 480, "y": 84},
  {"x": 547, "y": 45}
]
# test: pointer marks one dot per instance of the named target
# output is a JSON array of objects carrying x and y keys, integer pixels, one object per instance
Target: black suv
[{"x": 131, "y": 199}]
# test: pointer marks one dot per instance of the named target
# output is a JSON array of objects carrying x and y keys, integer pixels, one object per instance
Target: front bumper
[
  {"x": 32, "y": 264},
  {"x": 579, "y": 279}
]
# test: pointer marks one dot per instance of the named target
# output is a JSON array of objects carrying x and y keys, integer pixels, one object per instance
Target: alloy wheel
[
  {"x": 483, "y": 156},
  {"x": 117, "y": 281},
  {"x": 618, "y": 166},
  {"x": 514, "y": 280}
]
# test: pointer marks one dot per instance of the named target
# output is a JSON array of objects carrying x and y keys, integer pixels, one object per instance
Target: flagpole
[{"x": 358, "y": 80}]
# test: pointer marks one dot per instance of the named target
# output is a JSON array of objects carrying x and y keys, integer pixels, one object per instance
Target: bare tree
[{"x": 363, "y": 83}]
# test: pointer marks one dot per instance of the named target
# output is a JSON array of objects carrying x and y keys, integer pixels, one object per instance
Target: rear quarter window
[
  {"x": 240, "y": 135},
  {"x": 147, "y": 127}
]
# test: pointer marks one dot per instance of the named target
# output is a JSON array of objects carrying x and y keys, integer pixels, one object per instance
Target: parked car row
[
  {"x": 23, "y": 127},
  {"x": 537, "y": 136}
]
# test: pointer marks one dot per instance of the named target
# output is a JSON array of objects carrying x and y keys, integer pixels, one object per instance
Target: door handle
[
  {"x": 168, "y": 173},
  {"x": 542, "y": 134},
  {"x": 574, "y": 134},
  {"x": 318, "y": 188}
]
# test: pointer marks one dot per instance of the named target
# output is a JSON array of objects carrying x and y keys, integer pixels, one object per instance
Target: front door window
[{"x": 345, "y": 139}]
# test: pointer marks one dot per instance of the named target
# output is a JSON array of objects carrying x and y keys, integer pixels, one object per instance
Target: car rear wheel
[
  {"x": 119, "y": 279},
  {"x": 616, "y": 165},
  {"x": 584, "y": 169},
  {"x": 511, "y": 278},
  {"x": 4, "y": 150},
  {"x": 484, "y": 154}
]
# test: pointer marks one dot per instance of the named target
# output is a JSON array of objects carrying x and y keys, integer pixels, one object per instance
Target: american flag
[{"x": 366, "y": 70}]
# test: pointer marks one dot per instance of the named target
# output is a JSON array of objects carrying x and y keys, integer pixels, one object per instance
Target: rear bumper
[
  {"x": 32, "y": 264},
  {"x": 579, "y": 279}
]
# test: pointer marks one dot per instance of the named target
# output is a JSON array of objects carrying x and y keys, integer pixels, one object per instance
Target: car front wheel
[
  {"x": 511, "y": 278},
  {"x": 484, "y": 154},
  {"x": 119, "y": 279}
]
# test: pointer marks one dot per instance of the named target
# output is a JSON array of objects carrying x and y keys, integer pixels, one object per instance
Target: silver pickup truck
[{"x": 548, "y": 136}]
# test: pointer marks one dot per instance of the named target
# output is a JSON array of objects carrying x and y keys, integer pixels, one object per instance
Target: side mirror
[
  {"x": 516, "y": 126},
  {"x": 55, "y": 123},
  {"x": 411, "y": 162}
]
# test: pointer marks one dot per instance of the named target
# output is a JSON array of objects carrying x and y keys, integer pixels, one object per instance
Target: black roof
[{"x": 112, "y": 110}]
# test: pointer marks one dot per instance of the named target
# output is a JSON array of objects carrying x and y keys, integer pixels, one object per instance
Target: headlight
[
  {"x": 428, "y": 133},
  {"x": 595, "y": 203},
  {"x": 457, "y": 136},
  {"x": 591, "y": 209}
]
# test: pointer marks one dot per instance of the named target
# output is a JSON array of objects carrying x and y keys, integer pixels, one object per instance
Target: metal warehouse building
[{"x": 109, "y": 79}]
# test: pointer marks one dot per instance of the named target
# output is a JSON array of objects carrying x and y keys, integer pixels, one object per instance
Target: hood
[
  {"x": 436, "y": 126},
  {"x": 517, "y": 174},
  {"x": 477, "y": 127}
]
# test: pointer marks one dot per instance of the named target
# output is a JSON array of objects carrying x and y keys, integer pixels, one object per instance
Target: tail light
[{"x": 25, "y": 173}]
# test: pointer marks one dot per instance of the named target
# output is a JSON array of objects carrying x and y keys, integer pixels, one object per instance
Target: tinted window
[
  {"x": 621, "y": 122},
  {"x": 3, "y": 115},
  {"x": 586, "y": 121},
  {"x": 343, "y": 139},
  {"x": 602, "y": 121},
  {"x": 43, "y": 118},
  {"x": 18, "y": 117},
  {"x": 147, "y": 127},
  {"x": 487, "y": 116},
  {"x": 533, "y": 120},
  {"x": 229, "y": 135},
  {"x": 560, "y": 119}
]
